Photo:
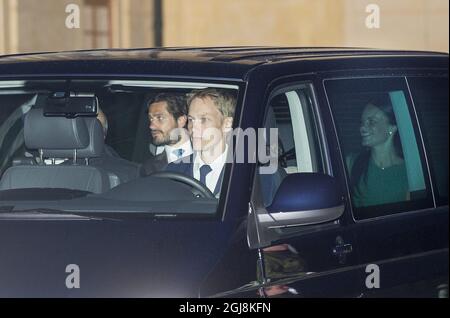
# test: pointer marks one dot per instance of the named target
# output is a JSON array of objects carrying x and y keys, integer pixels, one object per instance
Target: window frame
[
  {"x": 93, "y": 33},
  {"x": 438, "y": 200}
]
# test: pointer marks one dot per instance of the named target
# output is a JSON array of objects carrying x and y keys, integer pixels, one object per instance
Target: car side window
[
  {"x": 378, "y": 136},
  {"x": 290, "y": 114},
  {"x": 430, "y": 97}
]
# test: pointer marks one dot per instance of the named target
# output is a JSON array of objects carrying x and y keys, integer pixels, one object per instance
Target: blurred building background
[{"x": 40, "y": 25}]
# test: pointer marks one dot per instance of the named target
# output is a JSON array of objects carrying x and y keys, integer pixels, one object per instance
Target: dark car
[{"x": 340, "y": 190}]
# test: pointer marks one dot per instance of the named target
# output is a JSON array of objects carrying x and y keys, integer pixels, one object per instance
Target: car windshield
[{"x": 120, "y": 146}]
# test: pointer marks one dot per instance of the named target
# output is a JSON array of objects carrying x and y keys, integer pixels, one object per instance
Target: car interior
[{"x": 51, "y": 140}]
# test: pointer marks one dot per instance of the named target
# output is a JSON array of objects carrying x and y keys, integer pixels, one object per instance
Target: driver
[{"x": 210, "y": 117}]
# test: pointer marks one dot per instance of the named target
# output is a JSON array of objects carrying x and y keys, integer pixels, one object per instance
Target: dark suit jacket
[
  {"x": 154, "y": 163},
  {"x": 187, "y": 168},
  {"x": 269, "y": 182}
]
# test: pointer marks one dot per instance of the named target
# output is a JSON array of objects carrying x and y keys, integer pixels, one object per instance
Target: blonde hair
[{"x": 225, "y": 100}]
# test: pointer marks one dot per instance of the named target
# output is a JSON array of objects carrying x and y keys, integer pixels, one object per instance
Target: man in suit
[
  {"x": 210, "y": 117},
  {"x": 167, "y": 117}
]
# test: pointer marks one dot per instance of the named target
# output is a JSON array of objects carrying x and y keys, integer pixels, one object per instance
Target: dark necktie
[
  {"x": 204, "y": 170},
  {"x": 178, "y": 153}
]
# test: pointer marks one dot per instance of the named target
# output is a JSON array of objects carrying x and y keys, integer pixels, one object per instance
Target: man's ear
[
  {"x": 181, "y": 121},
  {"x": 227, "y": 123}
]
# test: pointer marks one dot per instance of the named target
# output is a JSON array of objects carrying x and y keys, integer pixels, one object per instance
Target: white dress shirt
[{"x": 217, "y": 165}]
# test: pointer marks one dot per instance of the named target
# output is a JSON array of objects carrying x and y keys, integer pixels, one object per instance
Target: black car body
[{"x": 322, "y": 249}]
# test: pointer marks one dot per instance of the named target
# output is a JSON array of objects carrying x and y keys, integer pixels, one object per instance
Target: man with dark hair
[{"x": 167, "y": 115}]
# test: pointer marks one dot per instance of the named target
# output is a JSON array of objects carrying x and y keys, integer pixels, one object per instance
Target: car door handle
[{"x": 342, "y": 249}]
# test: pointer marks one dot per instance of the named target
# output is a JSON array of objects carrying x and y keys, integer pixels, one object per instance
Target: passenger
[
  {"x": 378, "y": 174},
  {"x": 167, "y": 112},
  {"x": 210, "y": 117},
  {"x": 104, "y": 121},
  {"x": 110, "y": 160}
]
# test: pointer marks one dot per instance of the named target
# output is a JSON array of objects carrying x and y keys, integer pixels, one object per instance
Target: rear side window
[
  {"x": 430, "y": 97},
  {"x": 385, "y": 164}
]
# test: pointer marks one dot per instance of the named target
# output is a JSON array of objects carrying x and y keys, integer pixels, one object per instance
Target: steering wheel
[{"x": 200, "y": 188}]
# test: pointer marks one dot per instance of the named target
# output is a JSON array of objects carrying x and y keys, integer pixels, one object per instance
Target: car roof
[
  {"x": 239, "y": 55},
  {"x": 239, "y": 60}
]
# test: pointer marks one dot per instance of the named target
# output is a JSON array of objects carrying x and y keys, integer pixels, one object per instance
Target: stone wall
[{"x": 39, "y": 25}]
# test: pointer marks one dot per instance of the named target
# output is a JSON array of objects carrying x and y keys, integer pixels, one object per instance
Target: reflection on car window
[{"x": 382, "y": 156}]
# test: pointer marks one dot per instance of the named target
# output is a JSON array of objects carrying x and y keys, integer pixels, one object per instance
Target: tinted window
[
  {"x": 431, "y": 100},
  {"x": 82, "y": 161},
  {"x": 385, "y": 164}
]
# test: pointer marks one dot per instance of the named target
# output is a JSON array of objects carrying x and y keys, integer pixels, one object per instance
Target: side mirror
[{"x": 304, "y": 199}]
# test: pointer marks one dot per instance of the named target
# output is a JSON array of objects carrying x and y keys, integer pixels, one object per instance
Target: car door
[
  {"x": 404, "y": 240},
  {"x": 316, "y": 260}
]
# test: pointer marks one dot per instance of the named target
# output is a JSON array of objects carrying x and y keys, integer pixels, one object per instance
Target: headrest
[
  {"x": 59, "y": 136},
  {"x": 93, "y": 150},
  {"x": 54, "y": 132}
]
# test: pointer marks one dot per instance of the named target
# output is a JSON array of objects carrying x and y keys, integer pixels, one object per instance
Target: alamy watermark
[
  {"x": 73, "y": 279},
  {"x": 73, "y": 17},
  {"x": 373, "y": 19},
  {"x": 373, "y": 277},
  {"x": 244, "y": 146}
]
